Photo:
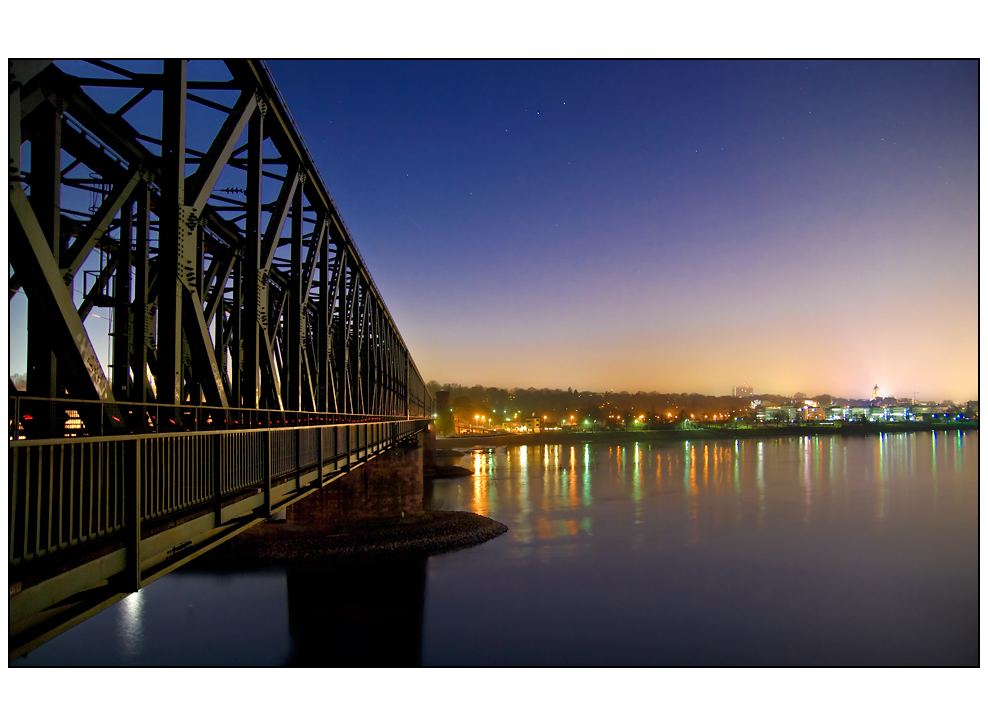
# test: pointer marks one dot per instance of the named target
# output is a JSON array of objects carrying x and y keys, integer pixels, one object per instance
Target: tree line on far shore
[{"x": 556, "y": 405}]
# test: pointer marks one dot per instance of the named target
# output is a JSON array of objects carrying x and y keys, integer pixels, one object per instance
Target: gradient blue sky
[{"x": 672, "y": 226}]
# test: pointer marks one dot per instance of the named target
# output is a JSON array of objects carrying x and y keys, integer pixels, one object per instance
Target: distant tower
[
  {"x": 742, "y": 391},
  {"x": 875, "y": 393}
]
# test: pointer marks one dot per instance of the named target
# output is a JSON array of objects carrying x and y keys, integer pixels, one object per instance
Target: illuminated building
[
  {"x": 876, "y": 413},
  {"x": 838, "y": 413},
  {"x": 898, "y": 413},
  {"x": 858, "y": 413}
]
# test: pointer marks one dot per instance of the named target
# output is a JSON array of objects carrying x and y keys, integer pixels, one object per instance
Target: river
[{"x": 784, "y": 551}]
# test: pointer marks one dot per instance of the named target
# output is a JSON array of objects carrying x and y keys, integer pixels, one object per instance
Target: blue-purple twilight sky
[{"x": 671, "y": 226}]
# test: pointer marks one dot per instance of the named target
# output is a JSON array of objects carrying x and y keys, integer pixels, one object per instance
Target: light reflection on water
[
  {"x": 131, "y": 627},
  {"x": 750, "y": 471},
  {"x": 184, "y": 619},
  {"x": 797, "y": 550}
]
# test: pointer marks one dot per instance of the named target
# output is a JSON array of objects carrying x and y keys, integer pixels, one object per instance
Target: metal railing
[
  {"x": 65, "y": 494},
  {"x": 70, "y": 491}
]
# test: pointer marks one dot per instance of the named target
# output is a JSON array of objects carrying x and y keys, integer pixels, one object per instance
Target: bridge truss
[{"x": 191, "y": 291}]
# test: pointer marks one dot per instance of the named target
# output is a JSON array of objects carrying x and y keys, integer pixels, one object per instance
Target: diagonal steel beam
[
  {"x": 197, "y": 333},
  {"x": 199, "y": 187},
  {"x": 206, "y": 280},
  {"x": 272, "y": 234},
  {"x": 219, "y": 288},
  {"x": 90, "y": 114},
  {"x": 43, "y": 282},
  {"x": 314, "y": 253},
  {"x": 96, "y": 291},
  {"x": 98, "y": 223},
  {"x": 270, "y": 368},
  {"x": 309, "y": 390}
]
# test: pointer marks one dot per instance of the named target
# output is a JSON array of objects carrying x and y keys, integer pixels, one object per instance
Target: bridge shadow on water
[
  {"x": 365, "y": 612},
  {"x": 357, "y": 614}
]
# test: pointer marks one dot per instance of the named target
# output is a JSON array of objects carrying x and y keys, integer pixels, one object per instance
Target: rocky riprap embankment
[{"x": 282, "y": 543}]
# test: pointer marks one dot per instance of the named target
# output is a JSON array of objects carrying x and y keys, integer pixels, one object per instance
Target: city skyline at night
[{"x": 663, "y": 225}]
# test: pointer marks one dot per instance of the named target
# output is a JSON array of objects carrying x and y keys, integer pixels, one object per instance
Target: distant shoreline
[{"x": 566, "y": 437}]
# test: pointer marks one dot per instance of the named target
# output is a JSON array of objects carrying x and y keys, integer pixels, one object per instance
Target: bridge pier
[{"x": 383, "y": 487}]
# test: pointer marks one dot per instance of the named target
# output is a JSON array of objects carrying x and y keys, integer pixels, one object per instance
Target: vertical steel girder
[
  {"x": 210, "y": 303},
  {"x": 173, "y": 233},
  {"x": 42, "y": 367},
  {"x": 251, "y": 266},
  {"x": 292, "y": 388}
]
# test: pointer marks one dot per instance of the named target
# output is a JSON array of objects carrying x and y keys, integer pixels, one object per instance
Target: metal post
[
  {"x": 267, "y": 477},
  {"x": 218, "y": 441},
  {"x": 322, "y": 455},
  {"x": 347, "y": 429},
  {"x": 134, "y": 583}
]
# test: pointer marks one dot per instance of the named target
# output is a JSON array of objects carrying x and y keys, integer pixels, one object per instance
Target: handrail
[{"x": 34, "y": 418}]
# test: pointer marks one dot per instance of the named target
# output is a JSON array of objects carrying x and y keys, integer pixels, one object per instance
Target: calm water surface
[{"x": 791, "y": 551}]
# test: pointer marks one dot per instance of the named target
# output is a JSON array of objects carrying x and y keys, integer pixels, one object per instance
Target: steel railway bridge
[{"x": 204, "y": 343}]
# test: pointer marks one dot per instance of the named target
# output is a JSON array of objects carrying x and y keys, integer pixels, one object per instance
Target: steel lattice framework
[{"x": 231, "y": 280}]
